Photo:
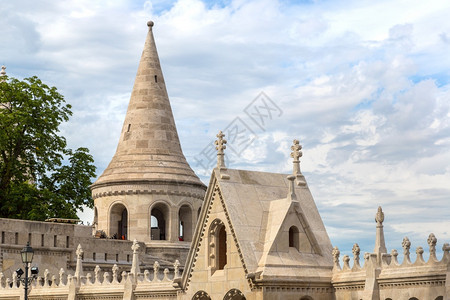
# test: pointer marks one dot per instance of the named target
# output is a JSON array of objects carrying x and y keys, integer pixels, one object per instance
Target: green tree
[{"x": 39, "y": 177}]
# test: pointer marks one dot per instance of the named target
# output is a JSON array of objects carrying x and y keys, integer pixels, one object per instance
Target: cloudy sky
[{"x": 364, "y": 85}]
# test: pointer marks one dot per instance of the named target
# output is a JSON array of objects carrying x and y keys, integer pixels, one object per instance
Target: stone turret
[{"x": 148, "y": 191}]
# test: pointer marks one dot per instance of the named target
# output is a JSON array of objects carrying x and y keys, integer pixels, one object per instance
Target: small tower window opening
[
  {"x": 16, "y": 238},
  {"x": 106, "y": 256},
  {"x": 156, "y": 78},
  {"x": 159, "y": 221},
  {"x": 55, "y": 239},
  {"x": 117, "y": 257},
  {"x": 185, "y": 223},
  {"x": 293, "y": 237},
  {"x": 3, "y": 237},
  {"x": 129, "y": 127},
  {"x": 118, "y": 224},
  {"x": 67, "y": 241},
  {"x": 42, "y": 240},
  {"x": 93, "y": 256},
  {"x": 29, "y": 238},
  {"x": 217, "y": 245}
]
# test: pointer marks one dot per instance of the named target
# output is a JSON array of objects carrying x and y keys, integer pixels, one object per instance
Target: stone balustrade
[
  {"x": 115, "y": 284},
  {"x": 376, "y": 278}
]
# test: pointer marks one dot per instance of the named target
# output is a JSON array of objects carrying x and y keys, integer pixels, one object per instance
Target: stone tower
[{"x": 148, "y": 191}]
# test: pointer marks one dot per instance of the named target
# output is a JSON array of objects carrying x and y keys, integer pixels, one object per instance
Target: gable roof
[{"x": 256, "y": 205}]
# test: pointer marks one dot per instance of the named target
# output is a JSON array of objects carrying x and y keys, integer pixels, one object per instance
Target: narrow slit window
[
  {"x": 67, "y": 241},
  {"x": 106, "y": 256},
  {"x": 93, "y": 256},
  {"x": 16, "y": 238},
  {"x": 42, "y": 240},
  {"x": 55, "y": 240},
  {"x": 3, "y": 237},
  {"x": 117, "y": 257},
  {"x": 29, "y": 238},
  {"x": 129, "y": 127},
  {"x": 156, "y": 78}
]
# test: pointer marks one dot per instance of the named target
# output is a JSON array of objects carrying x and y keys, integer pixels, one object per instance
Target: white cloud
[{"x": 363, "y": 85}]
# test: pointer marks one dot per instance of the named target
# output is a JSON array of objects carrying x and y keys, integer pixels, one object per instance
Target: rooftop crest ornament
[
  {"x": 296, "y": 154},
  {"x": 220, "y": 146}
]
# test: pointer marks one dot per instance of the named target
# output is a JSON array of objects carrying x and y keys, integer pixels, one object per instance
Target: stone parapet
[{"x": 389, "y": 278}]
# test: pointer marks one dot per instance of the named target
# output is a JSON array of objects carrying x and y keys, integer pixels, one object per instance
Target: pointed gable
[{"x": 259, "y": 215}]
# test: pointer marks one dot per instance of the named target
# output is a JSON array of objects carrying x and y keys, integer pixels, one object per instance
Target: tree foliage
[{"x": 39, "y": 176}]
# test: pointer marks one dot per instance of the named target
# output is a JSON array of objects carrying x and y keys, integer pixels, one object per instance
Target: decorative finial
[
  {"x": 135, "y": 247},
  {"x": 335, "y": 253},
  {"x": 432, "y": 241},
  {"x": 3, "y": 71},
  {"x": 150, "y": 24},
  {"x": 296, "y": 154},
  {"x": 220, "y": 146},
  {"x": 379, "y": 217},
  {"x": 356, "y": 251},
  {"x": 79, "y": 252}
]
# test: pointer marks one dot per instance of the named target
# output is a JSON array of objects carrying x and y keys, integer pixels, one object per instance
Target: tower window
[
  {"x": 156, "y": 78},
  {"x": 293, "y": 237}
]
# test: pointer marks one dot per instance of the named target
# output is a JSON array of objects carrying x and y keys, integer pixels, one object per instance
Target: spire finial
[
  {"x": 220, "y": 146},
  {"x": 3, "y": 71},
  {"x": 379, "y": 217},
  {"x": 296, "y": 154},
  {"x": 150, "y": 24},
  {"x": 380, "y": 245}
]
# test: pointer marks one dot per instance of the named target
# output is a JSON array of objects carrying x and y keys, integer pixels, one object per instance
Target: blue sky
[{"x": 364, "y": 85}]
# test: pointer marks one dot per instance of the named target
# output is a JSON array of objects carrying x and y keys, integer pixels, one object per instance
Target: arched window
[
  {"x": 118, "y": 221},
  {"x": 185, "y": 223},
  {"x": 234, "y": 294},
  {"x": 159, "y": 221},
  {"x": 217, "y": 245},
  {"x": 293, "y": 237},
  {"x": 440, "y": 298},
  {"x": 201, "y": 295}
]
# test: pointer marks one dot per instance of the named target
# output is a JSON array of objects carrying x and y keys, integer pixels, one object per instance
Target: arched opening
[
  {"x": 185, "y": 223},
  {"x": 306, "y": 298},
  {"x": 222, "y": 248},
  {"x": 118, "y": 222},
  {"x": 201, "y": 295},
  {"x": 413, "y": 298},
  {"x": 217, "y": 245},
  {"x": 440, "y": 298},
  {"x": 234, "y": 294},
  {"x": 293, "y": 237},
  {"x": 159, "y": 222}
]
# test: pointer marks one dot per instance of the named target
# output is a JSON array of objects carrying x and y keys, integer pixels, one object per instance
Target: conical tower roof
[{"x": 149, "y": 149}]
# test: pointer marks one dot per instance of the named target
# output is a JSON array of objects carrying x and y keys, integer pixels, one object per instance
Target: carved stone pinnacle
[{"x": 220, "y": 146}]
